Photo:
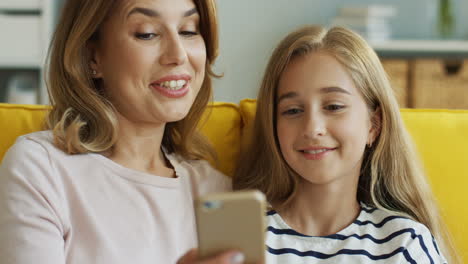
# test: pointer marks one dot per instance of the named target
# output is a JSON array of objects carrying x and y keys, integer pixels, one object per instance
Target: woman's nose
[{"x": 174, "y": 51}]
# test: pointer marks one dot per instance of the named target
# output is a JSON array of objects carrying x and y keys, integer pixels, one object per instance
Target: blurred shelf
[
  {"x": 450, "y": 49},
  {"x": 26, "y": 29},
  {"x": 20, "y": 4},
  {"x": 20, "y": 63}
]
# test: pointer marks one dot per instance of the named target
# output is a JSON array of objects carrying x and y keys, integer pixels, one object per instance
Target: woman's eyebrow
[
  {"x": 153, "y": 13},
  {"x": 145, "y": 11},
  {"x": 191, "y": 12}
]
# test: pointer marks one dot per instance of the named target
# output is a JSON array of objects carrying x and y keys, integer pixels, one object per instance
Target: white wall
[{"x": 249, "y": 31}]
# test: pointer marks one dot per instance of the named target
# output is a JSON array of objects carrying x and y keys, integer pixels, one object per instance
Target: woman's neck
[
  {"x": 138, "y": 147},
  {"x": 321, "y": 210}
]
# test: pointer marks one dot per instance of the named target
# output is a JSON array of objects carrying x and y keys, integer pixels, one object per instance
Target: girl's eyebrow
[
  {"x": 331, "y": 89},
  {"x": 334, "y": 89},
  {"x": 153, "y": 13},
  {"x": 287, "y": 96}
]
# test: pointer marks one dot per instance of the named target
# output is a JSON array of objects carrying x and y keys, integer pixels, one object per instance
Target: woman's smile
[{"x": 173, "y": 86}]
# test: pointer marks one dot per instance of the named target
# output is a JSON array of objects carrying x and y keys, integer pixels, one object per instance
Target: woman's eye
[
  {"x": 188, "y": 33},
  {"x": 145, "y": 36},
  {"x": 334, "y": 107},
  {"x": 292, "y": 111}
]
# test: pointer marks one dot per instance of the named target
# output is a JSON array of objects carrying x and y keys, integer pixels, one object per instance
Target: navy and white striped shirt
[{"x": 376, "y": 236}]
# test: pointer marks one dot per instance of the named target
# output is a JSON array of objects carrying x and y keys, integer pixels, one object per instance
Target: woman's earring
[{"x": 94, "y": 72}]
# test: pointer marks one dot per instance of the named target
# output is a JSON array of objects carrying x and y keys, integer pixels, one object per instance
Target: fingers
[
  {"x": 228, "y": 257},
  {"x": 189, "y": 257}
]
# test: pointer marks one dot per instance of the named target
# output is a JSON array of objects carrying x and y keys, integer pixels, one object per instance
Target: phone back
[{"x": 234, "y": 220}]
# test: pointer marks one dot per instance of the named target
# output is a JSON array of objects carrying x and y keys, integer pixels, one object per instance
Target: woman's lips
[
  {"x": 173, "y": 86},
  {"x": 171, "y": 93}
]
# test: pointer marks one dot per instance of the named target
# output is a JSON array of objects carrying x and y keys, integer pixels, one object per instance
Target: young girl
[{"x": 334, "y": 160}]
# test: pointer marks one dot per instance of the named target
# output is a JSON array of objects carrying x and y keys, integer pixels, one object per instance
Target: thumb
[
  {"x": 227, "y": 257},
  {"x": 189, "y": 257}
]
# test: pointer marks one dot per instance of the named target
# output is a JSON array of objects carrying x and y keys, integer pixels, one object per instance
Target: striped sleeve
[{"x": 424, "y": 248}]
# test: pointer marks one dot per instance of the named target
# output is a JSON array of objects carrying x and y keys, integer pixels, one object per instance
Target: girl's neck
[{"x": 321, "y": 210}]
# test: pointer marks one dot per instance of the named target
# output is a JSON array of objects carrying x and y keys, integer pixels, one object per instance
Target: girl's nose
[{"x": 314, "y": 126}]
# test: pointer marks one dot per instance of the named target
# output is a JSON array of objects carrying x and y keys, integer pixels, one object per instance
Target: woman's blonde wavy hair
[
  {"x": 82, "y": 119},
  {"x": 391, "y": 177}
]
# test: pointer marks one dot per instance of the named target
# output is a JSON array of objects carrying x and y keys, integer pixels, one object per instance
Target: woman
[{"x": 114, "y": 178}]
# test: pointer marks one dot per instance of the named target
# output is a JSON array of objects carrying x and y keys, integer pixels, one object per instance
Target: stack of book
[{"x": 372, "y": 22}]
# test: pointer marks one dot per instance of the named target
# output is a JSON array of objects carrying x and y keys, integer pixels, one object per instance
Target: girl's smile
[{"x": 316, "y": 153}]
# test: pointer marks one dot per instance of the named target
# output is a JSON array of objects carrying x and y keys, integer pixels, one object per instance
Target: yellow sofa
[{"x": 441, "y": 137}]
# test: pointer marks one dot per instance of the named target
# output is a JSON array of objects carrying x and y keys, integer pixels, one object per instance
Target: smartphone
[{"x": 234, "y": 220}]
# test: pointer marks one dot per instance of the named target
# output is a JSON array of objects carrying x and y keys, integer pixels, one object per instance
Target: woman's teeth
[{"x": 174, "y": 84}]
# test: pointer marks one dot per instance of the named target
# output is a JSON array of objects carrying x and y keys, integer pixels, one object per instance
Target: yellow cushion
[
  {"x": 16, "y": 120},
  {"x": 441, "y": 139},
  {"x": 247, "y": 108},
  {"x": 222, "y": 128}
]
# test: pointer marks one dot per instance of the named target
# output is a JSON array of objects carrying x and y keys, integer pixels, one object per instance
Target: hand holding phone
[{"x": 232, "y": 221}]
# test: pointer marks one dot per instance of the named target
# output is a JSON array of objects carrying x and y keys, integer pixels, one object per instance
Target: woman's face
[
  {"x": 151, "y": 59},
  {"x": 323, "y": 122}
]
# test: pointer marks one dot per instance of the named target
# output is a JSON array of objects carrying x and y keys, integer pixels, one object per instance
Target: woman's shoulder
[
  {"x": 35, "y": 145},
  {"x": 35, "y": 154},
  {"x": 43, "y": 138}
]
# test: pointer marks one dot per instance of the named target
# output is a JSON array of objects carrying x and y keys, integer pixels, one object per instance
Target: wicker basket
[
  {"x": 433, "y": 87},
  {"x": 397, "y": 71}
]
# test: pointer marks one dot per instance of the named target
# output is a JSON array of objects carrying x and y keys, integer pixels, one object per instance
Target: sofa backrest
[{"x": 440, "y": 137}]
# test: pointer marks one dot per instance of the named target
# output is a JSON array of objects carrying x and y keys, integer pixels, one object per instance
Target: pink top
[{"x": 76, "y": 209}]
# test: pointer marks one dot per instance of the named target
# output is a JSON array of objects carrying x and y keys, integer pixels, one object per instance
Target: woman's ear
[
  {"x": 94, "y": 65},
  {"x": 376, "y": 126}
]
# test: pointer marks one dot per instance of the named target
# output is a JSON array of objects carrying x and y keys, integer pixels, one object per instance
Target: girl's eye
[
  {"x": 292, "y": 111},
  {"x": 188, "y": 33},
  {"x": 145, "y": 36},
  {"x": 334, "y": 107}
]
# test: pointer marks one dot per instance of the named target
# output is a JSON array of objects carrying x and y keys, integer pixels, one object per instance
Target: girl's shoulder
[
  {"x": 386, "y": 227},
  {"x": 381, "y": 219}
]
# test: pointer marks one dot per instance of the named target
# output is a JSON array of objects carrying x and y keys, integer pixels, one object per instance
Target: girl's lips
[{"x": 316, "y": 154}]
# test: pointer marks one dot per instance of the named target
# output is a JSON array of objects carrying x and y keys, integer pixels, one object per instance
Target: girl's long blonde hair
[
  {"x": 391, "y": 177},
  {"x": 82, "y": 119}
]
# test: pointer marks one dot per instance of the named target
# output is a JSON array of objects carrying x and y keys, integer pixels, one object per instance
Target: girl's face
[
  {"x": 151, "y": 59},
  {"x": 323, "y": 123}
]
